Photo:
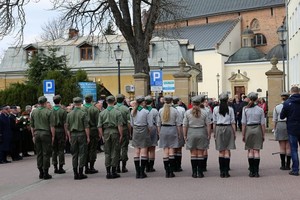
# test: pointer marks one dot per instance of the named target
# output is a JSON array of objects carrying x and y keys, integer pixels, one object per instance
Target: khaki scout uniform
[
  {"x": 58, "y": 120},
  {"x": 40, "y": 125},
  {"x": 109, "y": 120},
  {"x": 125, "y": 139},
  {"x": 77, "y": 123},
  {"x": 93, "y": 115}
]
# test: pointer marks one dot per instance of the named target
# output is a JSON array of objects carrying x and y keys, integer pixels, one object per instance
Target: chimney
[{"x": 73, "y": 33}]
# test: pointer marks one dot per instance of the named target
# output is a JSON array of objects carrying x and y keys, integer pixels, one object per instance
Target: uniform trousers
[
  {"x": 43, "y": 148},
  {"x": 111, "y": 147},
  {"x": 78, "y": 149}
]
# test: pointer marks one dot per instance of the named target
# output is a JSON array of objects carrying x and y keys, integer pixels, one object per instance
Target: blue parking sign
[
  {"x": 156, "y": 78},
  {"x": 49, "y": 86}
]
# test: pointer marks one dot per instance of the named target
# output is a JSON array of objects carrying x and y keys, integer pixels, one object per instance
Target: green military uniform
[
  {"x": 58, "y": 120},
  {"x": 77, "y": 122},
  {"x": 93, "y": 115},
  {"x": 125, "y": 139},
  {"x": 40, "y": 124},
  {"x": 109, "y": 120}
]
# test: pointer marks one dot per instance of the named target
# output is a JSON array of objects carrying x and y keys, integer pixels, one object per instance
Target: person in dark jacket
[
  {"x": 290, "y": 111},
  {"x": 5, "y": 134}
]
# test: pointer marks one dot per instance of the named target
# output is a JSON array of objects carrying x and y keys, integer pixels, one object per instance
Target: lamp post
[
  {"x": 218, "y": 85},
  {"x": 282, "y": 36},
  {"x": 118, "y": 55},
  {"x": 161, "y": 64}
]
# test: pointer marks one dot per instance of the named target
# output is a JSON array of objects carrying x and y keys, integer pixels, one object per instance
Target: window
[
  {"x": 259, "y": 40},
  {"x": 254, "y": 25},
  {"x": 86, "y": 53},
  {"x": 30, "y": 53}
]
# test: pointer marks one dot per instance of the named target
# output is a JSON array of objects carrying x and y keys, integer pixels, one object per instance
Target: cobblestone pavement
[{"x": 19, "y": 180}]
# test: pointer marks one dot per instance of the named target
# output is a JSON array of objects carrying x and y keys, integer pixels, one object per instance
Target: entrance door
[{"x": 239, "y": 90}]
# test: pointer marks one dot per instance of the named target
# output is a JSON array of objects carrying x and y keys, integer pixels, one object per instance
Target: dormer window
[
  {"x": 31, "y": 51},
  {"x": 259, "y": 40},
  {"x": 86, "y": 52}
]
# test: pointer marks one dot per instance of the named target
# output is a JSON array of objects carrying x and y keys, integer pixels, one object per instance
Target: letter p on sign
[{"x": 49, "y": 86}]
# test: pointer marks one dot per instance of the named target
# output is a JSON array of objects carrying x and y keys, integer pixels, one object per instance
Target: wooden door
[{"x": 239, "y": 90}]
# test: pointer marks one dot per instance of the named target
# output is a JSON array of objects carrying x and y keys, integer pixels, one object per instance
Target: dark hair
[
  {"x": 223, "y": 107},
  {"x": 120, "y": 100},
  {"x": 56, "y": 101}
]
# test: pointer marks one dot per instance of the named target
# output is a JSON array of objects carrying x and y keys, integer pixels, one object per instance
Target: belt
[
  {"x": 167, "y": 125},
  {"x": 253, "y": 124},
  {"x": 281, "y": 121},
  {"x": 223, "y": 124}
]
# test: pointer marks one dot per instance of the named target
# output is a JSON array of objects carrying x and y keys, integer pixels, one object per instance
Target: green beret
[
  {"x": 252, "y": 96},
  {"x": 57, "y": 97},
  {"x": 176, "y": 98},
  {"x": 168, "y": 98},
  {"x": 120, "y": 96},
  {"x": 77, "y": 100},
  {"x": 286, "y": 94},
  {"x": 148, "y": 98},
  {"x": 42, "y": 99},
  {"x": 223, "y": 96},
  {"x": 110, "y": 98},
  {"x": 140, "y": 99},
  {"x": 89, "y": 97}
]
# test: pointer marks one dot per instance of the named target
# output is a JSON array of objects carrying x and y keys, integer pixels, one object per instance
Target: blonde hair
[{"x": 166, "y": 113}]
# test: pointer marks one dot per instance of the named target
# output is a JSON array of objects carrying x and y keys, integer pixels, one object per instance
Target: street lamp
[
  {"x": 282, "y": 36},
  {"x": 119, "y": 55},
  {"x": 161, "y": 64},
  {"x": 218, "y": 85}
]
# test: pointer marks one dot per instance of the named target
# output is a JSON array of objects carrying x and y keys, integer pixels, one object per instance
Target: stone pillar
[
  {"x": 182, "y": 83},
  {"x": 275, "y": 78},
  {"x": 140, "y": 84}
]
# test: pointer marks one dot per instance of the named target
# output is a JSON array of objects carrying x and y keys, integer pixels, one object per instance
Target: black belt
[
  {"x": 167, "y": 125},
  {"x": 281, "y": 121},
  {"x": 223, "y": 124},
  {"x": 253, "y": 124}
]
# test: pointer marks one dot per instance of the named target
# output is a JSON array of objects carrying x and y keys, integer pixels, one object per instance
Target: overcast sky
[{"x": 37, "y": 14}]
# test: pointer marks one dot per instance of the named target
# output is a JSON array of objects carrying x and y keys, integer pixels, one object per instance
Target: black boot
[
  {"x": 151, "y": 165},
  {"x": 256, "y": 167},
  {"x": 194, "y": 167},
  {"x": 200, "y": 167},
  {"x": 221, "y": 167},
  {"x": 124, "y": 169},
  {"x": 144, "y": 162},
  {"x": 172, "y": 166},
  {"x": 288, "y": 163},
  {"x": 166, "y": 165},
  {"x": 251, "y": 167},
  {"x": 55, "y": 169},
  {"x": 46, "y": 174},
  {"x": 118, "y": 168},
  {"x": 282, "y": 159},
  {"x": 92, "y": 170},
  {"x": 61, "y": 169},
  {"x": 41, "y": 175},
  {"x": 76, "y": 175},
  {"x": 81, "y": 175},
  {"x": 178, "y": 163},
  {"x": 114, "y": 173},
  {"x": 87, "y": 169},
  {"x": 226, "y": 167},
  {"x": 137, "y": 166},
  {"x": 108, "y": 173}
]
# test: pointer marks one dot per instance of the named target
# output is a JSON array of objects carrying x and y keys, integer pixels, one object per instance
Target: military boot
[
  {"x": 61, "y": 170},
  {"x": 114, "y": 173},
  {"x": 87, "y": 169},
  {"x": 76, "y": 175},
  {"x": 55, "y": 169},
  {"x": 108, "y": 173},
  {"x": 81, "y": 175},
  {"x": 124, "y": 169},
  {"x": 41, "y": 175},
  {"x": 92, "y": 170},
  {"x": 46, "y": 174}
]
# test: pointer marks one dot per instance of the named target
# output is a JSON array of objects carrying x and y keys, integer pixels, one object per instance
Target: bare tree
[
  {"x": 92, "y": 15},
  {"x": 54, "y": 29}
]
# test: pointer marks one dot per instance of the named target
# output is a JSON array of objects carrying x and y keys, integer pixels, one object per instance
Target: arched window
[
  {"x": 259, "y": 40},
  {"x": 254, "y": 25}
]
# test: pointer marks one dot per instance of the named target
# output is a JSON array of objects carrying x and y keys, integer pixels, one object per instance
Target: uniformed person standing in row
[
  {"x": 178, "y": 151},
  {"x": 224, "y": 129},
  {"x": 169, "y": 125},
  {"x": 110, "y": 125},
  {"x": 197, "y": 131},
  {"x": 126, "y": 132},
  {"x": 253, "y": 130},
  {"x": 281, "y": 134},
  {"x": 43, "y": 136},
  {"x": 153, "y": 134},
  {"x": 142, "y": 123},
  {"x": 210, "y": 116},
  {"x": 93, "y": 115},
  {"x": 79, "y": 136},
  {"x": 58, "y": 120}
]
